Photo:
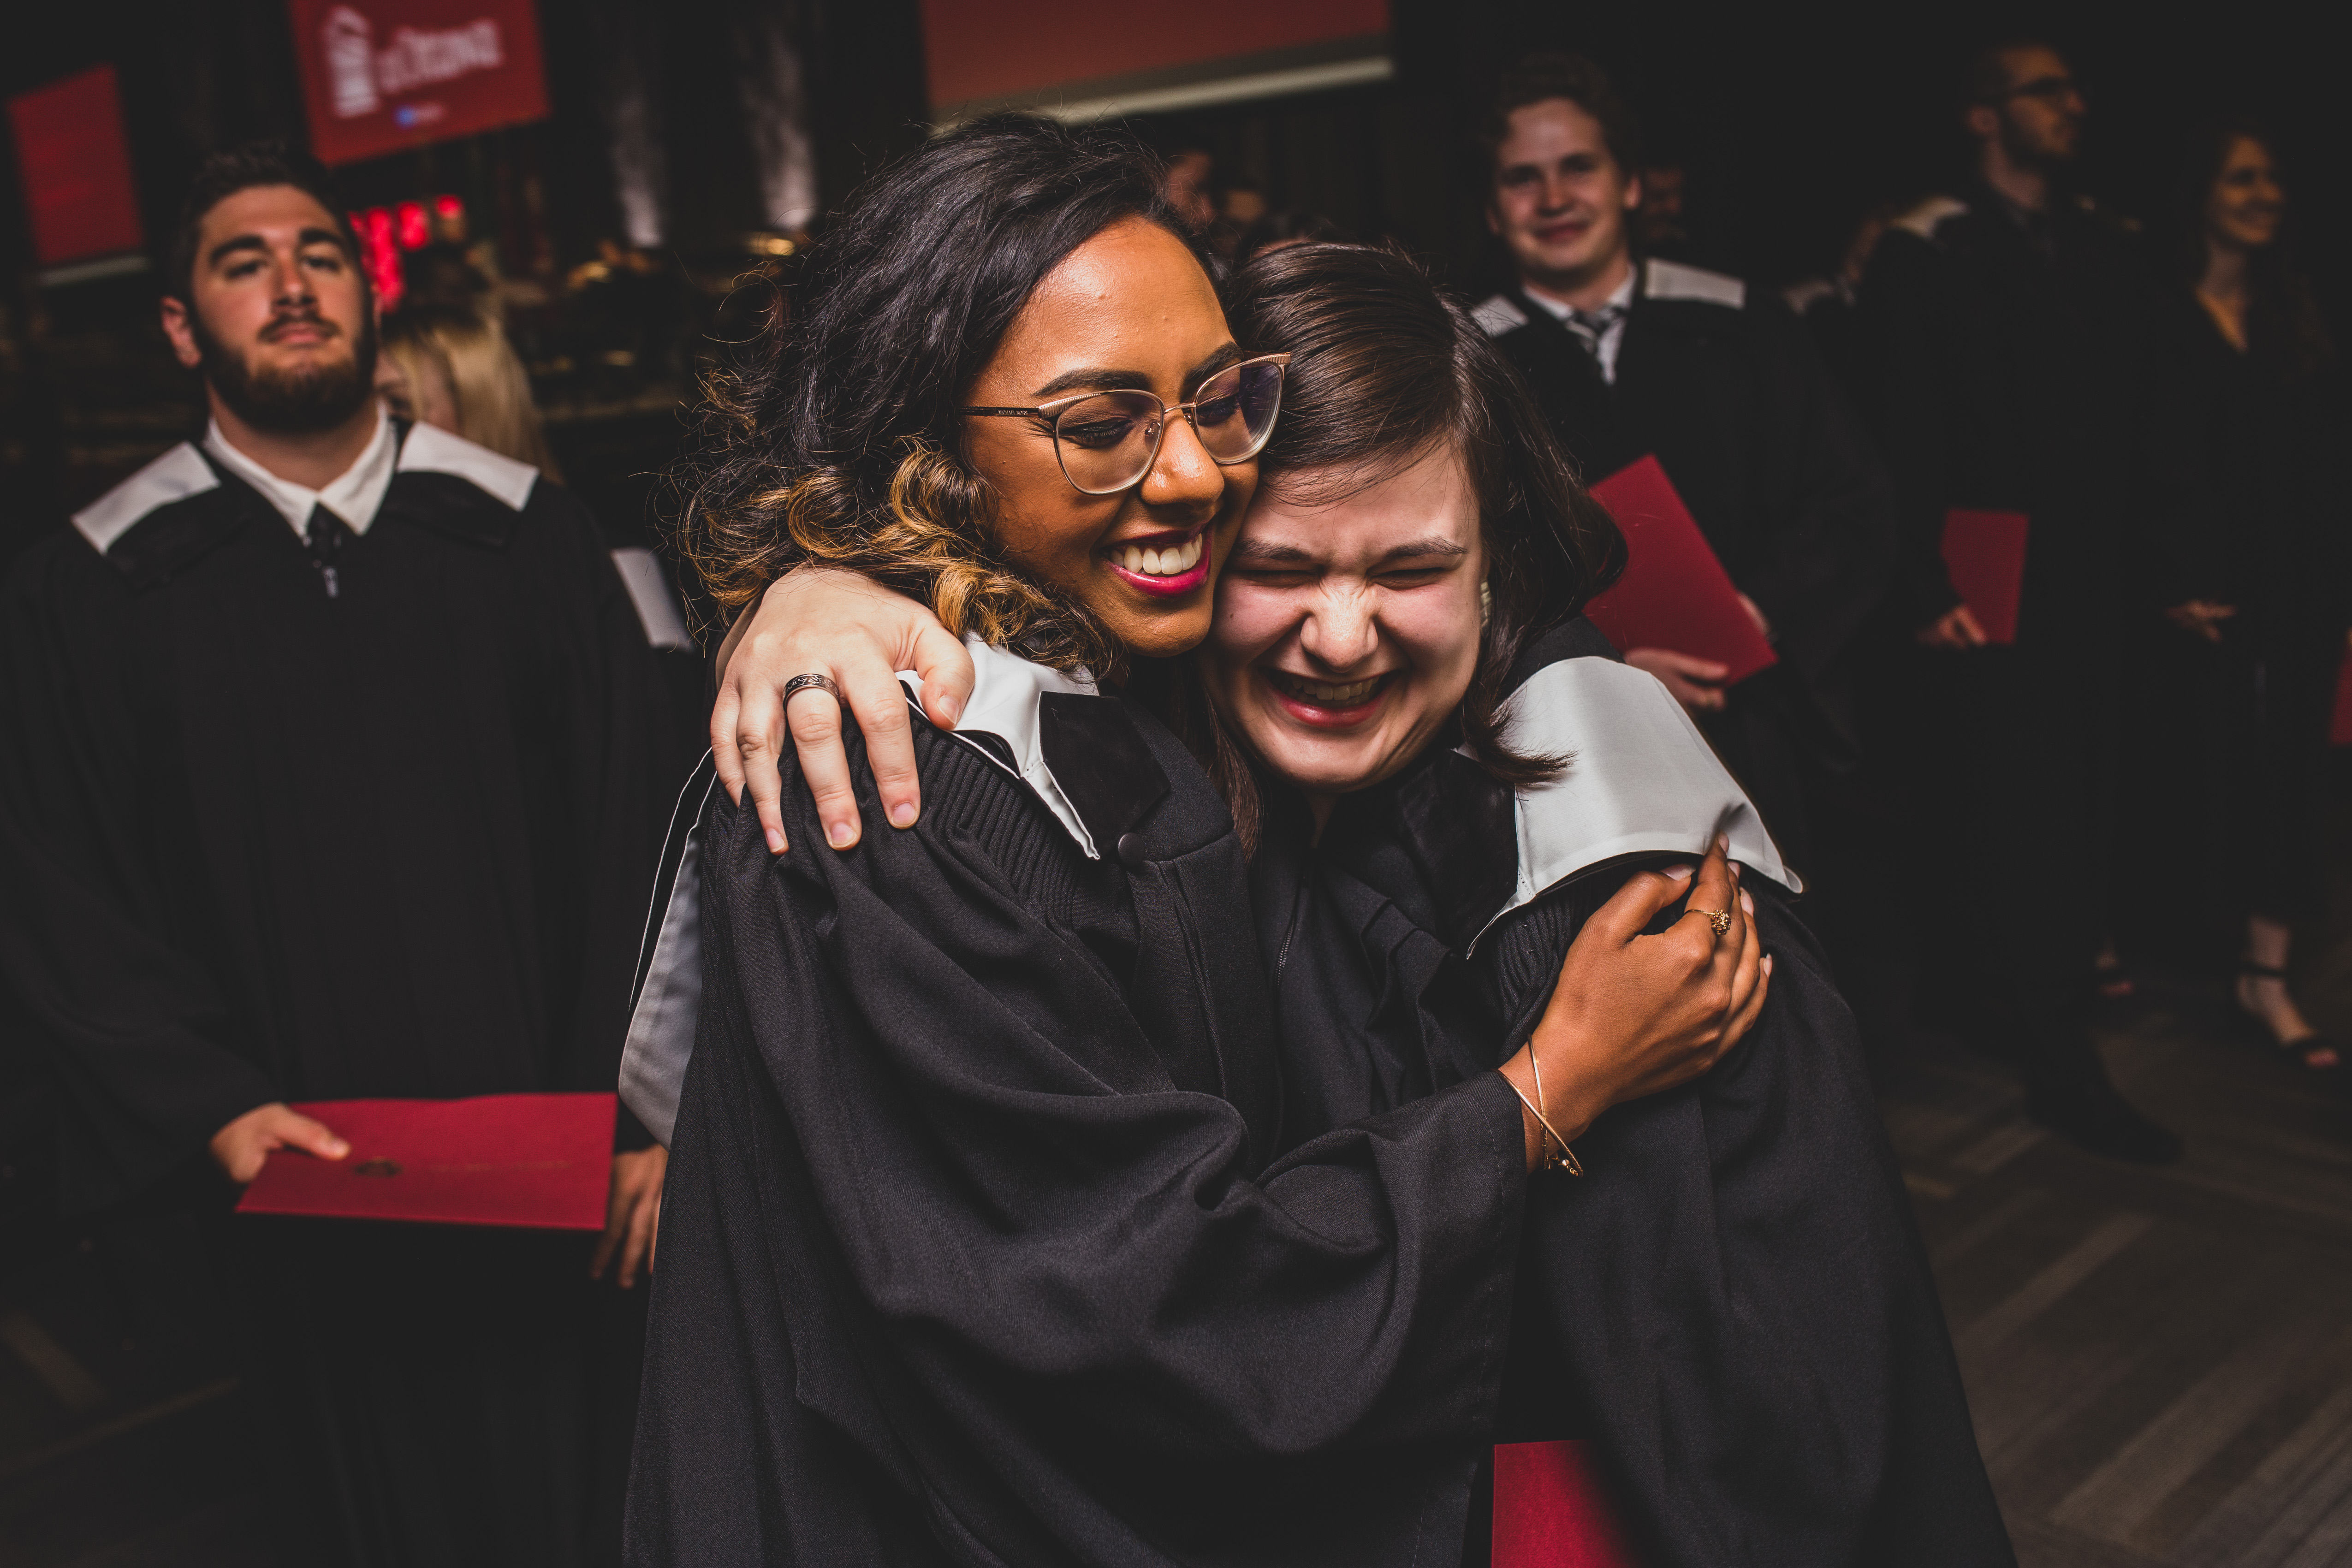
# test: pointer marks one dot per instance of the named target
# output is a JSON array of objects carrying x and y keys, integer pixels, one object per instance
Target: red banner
[
  {"x": 983, "y": 51},
  {"x": 382, "y": 75},
  {"x": 76, "y": 168}
]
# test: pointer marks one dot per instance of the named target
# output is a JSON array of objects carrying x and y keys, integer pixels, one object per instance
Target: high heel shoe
[{"x": 2303, "y": 1047}]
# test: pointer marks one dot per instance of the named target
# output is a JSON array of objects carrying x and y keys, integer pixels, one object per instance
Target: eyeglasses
[
  {"x": 1108, "y": 441},
  {"x": 2053, "y": 90}
]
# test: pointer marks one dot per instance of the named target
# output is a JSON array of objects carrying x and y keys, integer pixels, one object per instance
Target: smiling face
[
  {"x": 277, "y": 313},
  {"x": 1560, "y": 199},
  {"x": 2247, "y": 203},
  {"x": 1130, "y": 309},
  {"x": 1346, "y": 632}
]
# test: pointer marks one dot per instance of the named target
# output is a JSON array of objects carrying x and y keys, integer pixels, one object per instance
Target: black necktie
[{"x": 325, "y": 535}]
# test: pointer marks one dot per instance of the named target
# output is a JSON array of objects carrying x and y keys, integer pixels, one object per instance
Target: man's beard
[{"x": 290, "y": 403}]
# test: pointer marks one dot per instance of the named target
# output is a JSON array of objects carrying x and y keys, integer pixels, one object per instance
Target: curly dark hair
[
  {"x": 832, "y": 437},
  {"x": 1385, "y": 368}
]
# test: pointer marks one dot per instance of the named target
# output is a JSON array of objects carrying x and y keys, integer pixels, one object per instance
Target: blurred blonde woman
[{"x": 456, "y": 368}]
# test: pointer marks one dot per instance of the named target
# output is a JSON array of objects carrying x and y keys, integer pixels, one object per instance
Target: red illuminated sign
[
  {"x": 380, "y": 255},
  {"x": 382, "y": 75},
  {"x": 981, "y": 52},
  {"x": 76, "y": 168}
]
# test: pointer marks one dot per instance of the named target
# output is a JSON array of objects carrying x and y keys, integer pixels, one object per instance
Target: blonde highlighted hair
[
  {"x": 468, "y": 356},
  {"x": 833, "y": 435}
]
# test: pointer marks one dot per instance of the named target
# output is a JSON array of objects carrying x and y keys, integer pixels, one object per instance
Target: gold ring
[{"x": 1720, "y": 919}]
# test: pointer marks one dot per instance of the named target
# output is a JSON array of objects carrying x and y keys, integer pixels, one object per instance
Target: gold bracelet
[{"x": 1565, "y": 1159}]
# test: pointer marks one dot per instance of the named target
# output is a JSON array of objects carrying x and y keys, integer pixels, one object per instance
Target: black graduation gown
[
  {"x": 972, "y": 1250},
  {"x": 2014, "y": 357},
  {"x": 1722, "y": 385},
  {"x": 2246, "y": 502},
  {"x": 267, "y": 845},
  {"x": 1732, "y": 1305}
]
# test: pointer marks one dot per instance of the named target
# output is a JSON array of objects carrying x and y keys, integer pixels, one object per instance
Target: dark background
[{"x": 1790, "y": 118}]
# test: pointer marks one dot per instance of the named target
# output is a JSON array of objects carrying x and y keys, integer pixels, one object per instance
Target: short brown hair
[
  {"x": 1384, "y": 369},
  {"x": 234, "y": 169},
  {"x": 1986, "y": 77},
  {"x": 1540, "y": 78}
]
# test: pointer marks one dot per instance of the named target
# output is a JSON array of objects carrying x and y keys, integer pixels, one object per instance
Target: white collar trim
[
  {"x": 1004, "y": 697},
  {"x": 1640, "y": 778},
  {"x": 176, "y": 476},
  {"x": 430, "y": 449}
]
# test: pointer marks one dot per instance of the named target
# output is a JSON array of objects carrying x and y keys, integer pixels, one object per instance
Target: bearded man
[{"x": 328, "y": 769}]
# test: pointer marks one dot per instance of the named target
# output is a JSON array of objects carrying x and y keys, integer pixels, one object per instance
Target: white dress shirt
[{"x": 353, "y": 495}]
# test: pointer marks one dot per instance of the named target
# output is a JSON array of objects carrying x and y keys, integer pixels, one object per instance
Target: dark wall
[{"x": 1791, "y": 118}]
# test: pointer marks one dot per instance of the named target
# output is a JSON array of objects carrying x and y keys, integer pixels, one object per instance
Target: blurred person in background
[
  {"x": 327, "y": 766},
  {"x": 1277, "y": 229},
  {"x": 1240, "y": 209},
  {"x": 1661, "y": 224},
  {"x": 2243, "y": 557},
  {"x": 1191, "y": 171},
  {"x": 454, "y": 369},
  {"x": 2014, "y": 318},
  {"x": 1633, "y": 356},
  {"x": 1829, "y": 304}
]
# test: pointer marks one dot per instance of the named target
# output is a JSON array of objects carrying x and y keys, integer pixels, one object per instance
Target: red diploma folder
[
  {"x": 1675, "y": 593},
  {"x": 2339, "y": 729},
  {"x": 542, "y": 1161},
  {"x": 1551, "y": 1510},
  {"x": 1985, "y": 554}
]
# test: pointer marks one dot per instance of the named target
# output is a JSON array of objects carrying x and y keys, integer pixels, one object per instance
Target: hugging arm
[
  {"x": 1630, "y": 1015},
  {"x": 1738, "y": 1284},
  {"x": 824, "y": 621}
]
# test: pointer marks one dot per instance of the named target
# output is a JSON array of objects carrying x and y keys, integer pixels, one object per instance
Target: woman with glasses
[{"x": 981, "y": 1241}]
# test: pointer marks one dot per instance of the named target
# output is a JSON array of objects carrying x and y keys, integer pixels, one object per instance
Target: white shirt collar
[
  {"x": 354, "y": 496},
  {"x": 1622, "y": 296},
  {"x": 1005, "y": 692}
]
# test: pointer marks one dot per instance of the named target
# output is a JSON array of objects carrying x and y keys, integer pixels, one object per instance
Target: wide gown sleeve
[
  {"x": 1743, "y": 1297},
  {"x": 1034, "y": 1281},
  {"x": 128, "y": 1019}
]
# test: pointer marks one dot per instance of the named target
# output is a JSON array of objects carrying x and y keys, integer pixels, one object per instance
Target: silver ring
[{"x": 800, "y": 683}]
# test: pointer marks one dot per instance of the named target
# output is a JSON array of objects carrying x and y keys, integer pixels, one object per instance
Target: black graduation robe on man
[
  {"x": 279, "y": 845},
  {"x": 2013, "y": 351}
]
